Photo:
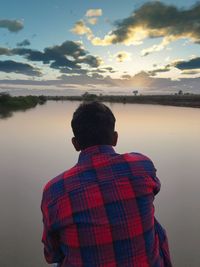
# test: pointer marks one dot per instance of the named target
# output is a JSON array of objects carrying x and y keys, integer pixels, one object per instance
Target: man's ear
[
  {"x": 115, "y": 138},
  {"x": 76, "y": 144}
]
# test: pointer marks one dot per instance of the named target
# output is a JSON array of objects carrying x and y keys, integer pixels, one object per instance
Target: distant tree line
[
  {"x": 10, "y": 103},
  {"x": 180, "y": 99}
]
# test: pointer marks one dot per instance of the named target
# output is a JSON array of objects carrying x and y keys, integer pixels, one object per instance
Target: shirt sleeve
[
  {"x": 149, "y": 170},
  {"x": 163, "y": 242},
  {"x": 156, "y": 180},
  {"x": 50, "y": 238}
]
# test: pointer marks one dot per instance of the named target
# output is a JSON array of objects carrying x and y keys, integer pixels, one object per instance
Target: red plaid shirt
[{"x": 101, "y": 213}]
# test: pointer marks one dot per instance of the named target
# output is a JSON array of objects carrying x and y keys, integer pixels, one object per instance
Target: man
[{"x": 100, "y": 213}]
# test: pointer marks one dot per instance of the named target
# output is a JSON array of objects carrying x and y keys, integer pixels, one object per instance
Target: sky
[{"x": 68, "y": 47}]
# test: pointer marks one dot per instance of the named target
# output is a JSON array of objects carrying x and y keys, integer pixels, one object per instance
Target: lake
[{"x": 36, "y": 146}]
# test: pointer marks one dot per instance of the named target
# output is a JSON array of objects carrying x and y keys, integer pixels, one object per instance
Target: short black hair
[{"x": 93, "y": 123}]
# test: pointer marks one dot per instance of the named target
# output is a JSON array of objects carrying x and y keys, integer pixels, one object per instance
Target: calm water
[{"x": 35, "y": 146}]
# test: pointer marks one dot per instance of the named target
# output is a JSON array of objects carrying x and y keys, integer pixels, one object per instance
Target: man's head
[{"x": 93, "y": 123}]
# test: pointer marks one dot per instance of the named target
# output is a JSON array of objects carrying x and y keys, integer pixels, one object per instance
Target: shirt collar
[{"x": 87, "y": 153}]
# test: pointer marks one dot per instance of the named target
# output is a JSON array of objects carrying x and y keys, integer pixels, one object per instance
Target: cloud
[
  {"x": 92, "y": 21},
  {"x": 193, "y": 63},
  {"x": 96, "y": 75},
  {"x": 141, "y": 82},
  {"x": 159, "y": 70},
  {"x": 94, "y": 13},
  {"x": 67, "y": 48},
  {"x": 92, "y": 61},
  {"x": 25, "y": 42},
  {"x": 18, "y": 67},
  {"x": 104, "y": 69},
  {"x": 190, "y": 72},
  {"x": 80, "y": 28},
  {"x": 74, "y": 71},
  {"x": 110, "y": 69},
  {"x": 4, "y": 51},
  {"x": 123, "y": 56},
  {"x": 154, "y": 20},
  {"x": 68, "y": 55},
  {"x": 11, "y": 25},
  {"x": 107, "y": 40},
  {"x": 126, "y": 76},
  {"x": 189, "y": 67},
  {"x": 85, "y": 79},
  {"x": 158, "y": 47}
]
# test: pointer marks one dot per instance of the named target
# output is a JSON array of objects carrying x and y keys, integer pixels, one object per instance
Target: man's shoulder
[
  {"x": 53, "y": 181},
  {"x": 137, "y": 156},
  {"x": 139, "y": 161},
  {"x": 55, "y": 187}
]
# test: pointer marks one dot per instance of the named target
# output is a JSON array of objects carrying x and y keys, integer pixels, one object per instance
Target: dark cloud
[
  {"x": 31, "y": 82},
  {"x": 156, "y": 19},
  {"x": 159, "y": 70},
  {"x": 5, "y": 51},
  {"x": 73, "y": 71},
  {"x": 85, "y": 79},
  {"x": 68, "y": 48},
  {"x": 190, "y": 72},
  {"x": 99, "y": 70},
  {"x": 18, "y": 67},
  {"x": 109, "y": 69},
  {"x": 141, "y": 81},
  {"x": 25, "y": 42},
  {"x": 126, "y": 76},
  {"x": 30, "y": 54},
  {"x": 90, "y": 60},
  {"x": 63, "y": 63},
  {"x": 96, "y": 75},
  {"x": 11, "y": 25},
  {"x": 68, "y": 55},
  {"x": 188, "y": 65}
]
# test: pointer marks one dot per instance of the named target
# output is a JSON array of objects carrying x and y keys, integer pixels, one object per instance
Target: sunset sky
[{"x": 69, "y": 47}]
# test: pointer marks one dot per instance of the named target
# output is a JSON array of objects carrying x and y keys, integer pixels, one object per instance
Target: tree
[
  {"x": 180, "y": 92},
  {"x": 4, "y": 97},
  {"x": 89, "y": 97}
]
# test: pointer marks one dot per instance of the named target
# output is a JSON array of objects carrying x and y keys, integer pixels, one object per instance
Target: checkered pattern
[{"x": 101, "y": 213}]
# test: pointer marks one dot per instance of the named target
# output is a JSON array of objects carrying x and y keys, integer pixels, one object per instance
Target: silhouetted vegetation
[
  {"x": 89, "y": 97},
  {"x": 8, "y": 103},
  {"x": 183, "y": 100}
]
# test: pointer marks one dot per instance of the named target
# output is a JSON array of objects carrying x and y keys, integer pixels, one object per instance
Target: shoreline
[
  {"x": 10, "y": 104},
  {"x": 192, "y": 101}
]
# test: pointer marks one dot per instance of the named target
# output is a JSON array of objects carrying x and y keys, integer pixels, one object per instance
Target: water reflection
[
  {"x": 9, "y": 104},
  {"x": 5, "y": 113},
  {"x": 36, "y": 146}
]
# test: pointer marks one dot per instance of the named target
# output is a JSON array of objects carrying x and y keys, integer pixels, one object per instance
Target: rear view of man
[{"x": 100, "y": 212}]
